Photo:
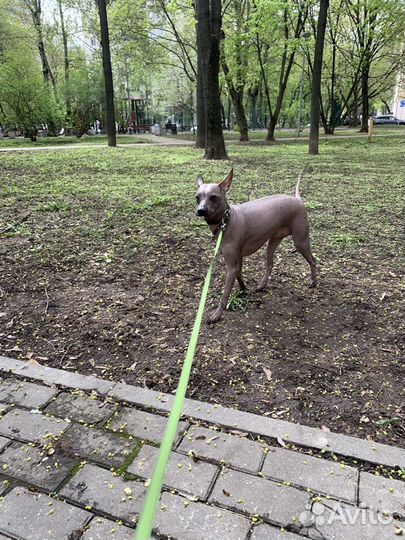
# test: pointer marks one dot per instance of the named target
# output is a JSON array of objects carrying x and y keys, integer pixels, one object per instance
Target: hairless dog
[{"x": 248, "y": 226}]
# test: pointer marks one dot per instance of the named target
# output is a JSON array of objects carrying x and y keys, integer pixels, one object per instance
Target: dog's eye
[
  {"x": 197, "y": 198},
  {"x": 213, "y": 197}
]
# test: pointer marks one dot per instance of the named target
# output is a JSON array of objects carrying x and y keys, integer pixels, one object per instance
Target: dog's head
[{"x": 211, "y": 198}]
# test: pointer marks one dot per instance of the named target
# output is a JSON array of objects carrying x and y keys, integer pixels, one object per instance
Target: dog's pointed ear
[
  {"x": 200, "y": 180},
  {"x": 226, "y": 184}
]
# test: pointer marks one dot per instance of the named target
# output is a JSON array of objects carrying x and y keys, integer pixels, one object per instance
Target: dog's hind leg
[
  {"x": 239, "y": 277},
  {"x": 302, "y": 245},
  {"x": 271, "y": 248}
]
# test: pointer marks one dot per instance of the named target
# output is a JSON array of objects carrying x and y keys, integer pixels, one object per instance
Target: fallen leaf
[
  {"x": 268, "y": 373},
  {"x": 238, "y": 433}
]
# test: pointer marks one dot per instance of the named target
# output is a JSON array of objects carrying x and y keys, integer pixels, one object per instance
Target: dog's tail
[{"x": 297, "y": 187}]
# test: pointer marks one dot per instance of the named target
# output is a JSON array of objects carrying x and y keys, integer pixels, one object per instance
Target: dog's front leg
[{"x": 232, "y": 267}]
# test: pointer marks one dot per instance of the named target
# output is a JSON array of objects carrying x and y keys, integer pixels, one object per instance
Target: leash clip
[
  {"x": 222, "y": 225},
  {"x": 224, "y": 220}
]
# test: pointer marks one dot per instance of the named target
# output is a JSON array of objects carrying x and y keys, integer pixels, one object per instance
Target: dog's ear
[
  {"x": 226, "y": 184},
  {"x": 200, "y": 180}
]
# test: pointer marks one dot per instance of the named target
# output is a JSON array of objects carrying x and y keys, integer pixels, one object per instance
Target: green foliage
[
  {"x": 85, "y": 91},
  {"x": 154, "y": 55},
  {"x": 26, "y": 101}
]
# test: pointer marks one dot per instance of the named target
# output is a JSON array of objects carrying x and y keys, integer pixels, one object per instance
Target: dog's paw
[{"x": 213, "y": 317}]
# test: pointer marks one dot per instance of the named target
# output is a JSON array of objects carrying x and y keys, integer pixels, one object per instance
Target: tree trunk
[
  {"x": 108, "y": 78},
  {"x": 66, "y": 60},
  {"x": 36, "y": 13},
  {"x": 316, "y": 78},
  {"x": 253, "y": 92},
  {"x": 201, "y": 128},
  {"x": 237, "y": 101},
  {"x": 332, "y": 119},
  {"x": 209, "y": 34},
  {"x": 365, "y": 102}
]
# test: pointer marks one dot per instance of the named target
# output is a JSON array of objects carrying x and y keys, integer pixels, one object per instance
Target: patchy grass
[
  {"x": 68, "y": 140},
  {"x": 287, "y": 133},
  {"x": 104, "y": 277}
]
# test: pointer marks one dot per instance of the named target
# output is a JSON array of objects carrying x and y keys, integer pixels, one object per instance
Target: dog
[{"x": 248, "y": 226}]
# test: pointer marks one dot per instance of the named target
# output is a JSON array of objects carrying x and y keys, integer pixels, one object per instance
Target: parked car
[{"x": 388, "y": 119}]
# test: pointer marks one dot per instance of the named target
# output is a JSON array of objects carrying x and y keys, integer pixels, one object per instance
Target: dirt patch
[{"x": 95, "y": 286}]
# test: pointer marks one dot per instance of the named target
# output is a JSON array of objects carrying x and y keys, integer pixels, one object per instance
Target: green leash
[{"x": 147, "y": 519}]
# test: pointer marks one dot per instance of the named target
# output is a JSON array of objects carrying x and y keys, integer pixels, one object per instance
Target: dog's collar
[{"x": 222, "y": 225}]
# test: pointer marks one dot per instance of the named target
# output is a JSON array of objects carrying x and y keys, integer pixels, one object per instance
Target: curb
[{"x": 345, "y": 445}]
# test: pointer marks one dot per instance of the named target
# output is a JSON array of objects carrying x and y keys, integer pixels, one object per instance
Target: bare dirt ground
[{"x": 103, "y": 277}]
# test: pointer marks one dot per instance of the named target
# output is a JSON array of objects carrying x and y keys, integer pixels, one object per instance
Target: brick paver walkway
[{"x": 76, "y": 454}]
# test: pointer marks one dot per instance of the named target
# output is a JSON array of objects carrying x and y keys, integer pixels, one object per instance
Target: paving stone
[
  {"x": 25, "y": 394},
  {"x": 29, "y": 464},
  {"x": 31, "y": 427},
  {"x": 141, "y": 424},
  {"x": 97, "y": 445},
  {"x": 104, "y": 529},
  {"x": 222, "y": 447},
  {"x": 383, "y": 494},
  {"x": 182, "y": 473},
  {"x": 4, "y": 407},
  {"x": 277, "y": 503},
  {"x": 344, "y": 522},
  {"x": 230, "y": 418},
  {"x": 31, "y": 516},
  {"x": 268, "y": 427},
  {"x": 52, "y": 376},
  {"x": 98, "y": 488},
  {"x": 320, "y": 475},
  {"x": 4, "y": 484},
  {"x": 184, "y": 520},
  {"x": 80, "y": 408},
  {"x": 3, "y": 442},
  {"x": 266, "y": 532}
]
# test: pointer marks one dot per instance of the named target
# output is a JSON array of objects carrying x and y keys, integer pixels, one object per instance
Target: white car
[{"x": 388, "y": 119}]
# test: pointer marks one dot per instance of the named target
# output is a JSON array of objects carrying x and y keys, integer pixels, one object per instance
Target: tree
[
  {"x": 234, "y": 61},
  {"x": 276, "y": 39},
  {"x": 35, "y": 9},
  {"x": 108, "y": 77},
  {"x": 200, "y": 98},
  {"x": 26, "y": 101},
  {"x": 208, "y": 42},
  {"x": 66, "y": 63},
  {"x": 317, "y": 77}
]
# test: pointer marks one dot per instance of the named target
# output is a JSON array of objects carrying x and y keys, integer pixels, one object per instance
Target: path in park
[
  {"x": 76, "y": 453},
  {"x": 172, "y": 141}
]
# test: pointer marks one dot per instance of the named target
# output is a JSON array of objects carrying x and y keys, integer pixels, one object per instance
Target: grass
[
  {"x": 260, "y": 134},
  {"x": 103, "y": 276},
  {"x": 230, "y": 136},
  {"x": 68, "y": 140},
  {"x": 150, "y": 183}
]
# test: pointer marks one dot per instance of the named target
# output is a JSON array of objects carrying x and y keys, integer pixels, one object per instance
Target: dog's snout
[{"x": 202, "y": 211}]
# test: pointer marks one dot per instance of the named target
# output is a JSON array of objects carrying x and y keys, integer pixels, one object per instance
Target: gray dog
[{"x": 248, "y": 226}]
